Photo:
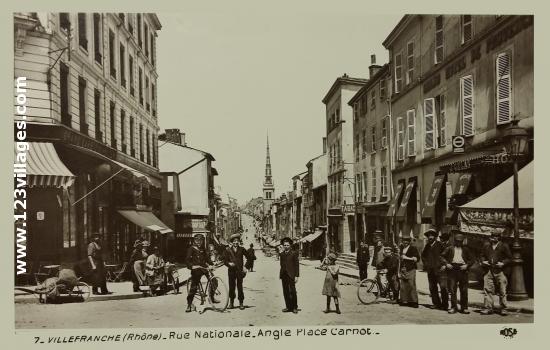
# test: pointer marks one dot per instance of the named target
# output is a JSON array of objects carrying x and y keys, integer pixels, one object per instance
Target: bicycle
[
  {"x": 213, "y": 289},
  {"x": 369, "y": 290},
  {"x": 172, "y": 277}
]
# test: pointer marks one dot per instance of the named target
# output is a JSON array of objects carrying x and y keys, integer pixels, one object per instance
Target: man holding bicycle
[{"x": 199, "y": 262}]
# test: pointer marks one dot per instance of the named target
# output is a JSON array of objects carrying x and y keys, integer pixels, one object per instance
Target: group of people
[
  {"x": 147, "y": 266},
  {"x": 447, "y": 266}
]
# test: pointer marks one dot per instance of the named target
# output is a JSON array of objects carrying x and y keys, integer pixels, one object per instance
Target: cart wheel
[
  {"x": 368, "y": 291},
  {"x": 217, "y": 295},
  {"x": 83, "y": 290}
]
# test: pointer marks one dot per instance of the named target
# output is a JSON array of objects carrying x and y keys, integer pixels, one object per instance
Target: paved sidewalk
[{"x": 475, "y": 296}]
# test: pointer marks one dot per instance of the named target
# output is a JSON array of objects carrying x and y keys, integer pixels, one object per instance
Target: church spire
[{"x": 268, "y": 188}]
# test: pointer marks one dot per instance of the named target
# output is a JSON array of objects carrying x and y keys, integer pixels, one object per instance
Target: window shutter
[
  {"x": 382, "y": 89},
  {"x": 504, "y": 89},
  {"x": 398, "y": 73},
  {"x": 383, "y": 139},
  {"x": 442, "y": 122},
  {"x": 438, "y": 39},
  {"x": 466, "y": 28},
  {"x": 411, "y": 133},
  {"x": 467, "y": 92},
  {"x": 429, "y": 123},
  {"x": 410, "y": 62},
  {"x": 400, "y": 139}
]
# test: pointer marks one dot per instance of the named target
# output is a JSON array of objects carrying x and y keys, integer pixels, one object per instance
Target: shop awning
[
  {"x": 402, "y": 211},
  {"x": 395, "y": 201},
  {"x": 313, "y": 236},
  {"x": 44, "y": 168},
  {"x": 146, "y": 220},
  {"x": 428, "y": 210},
  {"x": 461, "y": 187},
  {"x": 138, "y": 174}
]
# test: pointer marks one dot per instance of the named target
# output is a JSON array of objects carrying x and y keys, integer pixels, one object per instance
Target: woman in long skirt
[
  {"x": 330, "y": 287},
  {"x": 408, "y": 295}
]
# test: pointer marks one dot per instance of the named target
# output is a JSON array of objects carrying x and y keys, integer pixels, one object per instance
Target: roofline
[
  {"x": 156, "y": 21},
  {"x": 383, "y": 70},
  {"x": 311, "y": 160},
  {"x": 206, "y": 154},
  {"x": 340, "y": 81},
  {"x": 405, "y": 20}
]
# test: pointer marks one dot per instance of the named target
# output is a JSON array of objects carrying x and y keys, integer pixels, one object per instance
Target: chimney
[
  {"x": 175, "y": 136},
  {"x": 373, "y": 68},
  {"x": 324, "y": 145}
]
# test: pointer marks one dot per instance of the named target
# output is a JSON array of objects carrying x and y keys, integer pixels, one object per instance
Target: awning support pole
[{"x": 98, "y": 186}]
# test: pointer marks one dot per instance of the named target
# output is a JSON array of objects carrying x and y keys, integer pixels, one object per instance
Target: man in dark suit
[
  {"x": 199, "y": 262},
  {"x": 495, "y": 256},
  {"x": 289, "y": 273},
  {"x": 431, "y": 259},
  {"x": 363, "y": 257},
  {"x": 458, "y": 259},
  {"x": 377, "y": 255},
  {"x": 233, "y": 259}
]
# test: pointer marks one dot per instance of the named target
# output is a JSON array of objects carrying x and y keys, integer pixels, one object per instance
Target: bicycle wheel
[
  {"x": 176, "y": 282},
  {"x": 83, "y": 290},
  {"x": 368, "y": 291},
  {"x": 200, "y": 293},
  {"x": 217, "y": 294}
]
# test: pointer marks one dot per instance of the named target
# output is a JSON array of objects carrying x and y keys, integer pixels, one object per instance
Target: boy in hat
[
  {"x": 431, "y": 259},
  {"x": 495, "y": 256},
  {"x": 199, "y": 262},
  {"x": 289, "y": 273},
  {"x": 458, "y": 259},
  {"x": 233, "y": 259}
]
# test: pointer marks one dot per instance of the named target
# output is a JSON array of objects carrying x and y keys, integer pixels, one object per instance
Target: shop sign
[
  {"x": 348, "y": 208},
  {"x": 40, "y": 215},
  {"x": 458, "y": 143},
  {"x": 508, "y": 32}
]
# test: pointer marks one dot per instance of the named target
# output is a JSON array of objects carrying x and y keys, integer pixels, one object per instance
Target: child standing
[{"x": 330, "y": 287}]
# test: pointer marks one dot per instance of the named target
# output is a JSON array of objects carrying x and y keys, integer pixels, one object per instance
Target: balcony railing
[{"x": 99, "y": 135}]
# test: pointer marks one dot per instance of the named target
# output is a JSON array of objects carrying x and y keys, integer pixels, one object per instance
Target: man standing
[
  {"x": 363, "y": 257},
  {"x": 377, "y": 255},
  {"x": 496, "y": 255},
  {"x": 408, "y": 295},
  {"x": 199, "y": 262},
  {"x": 431, "y": 258},
  {"x": 458, "y": 259},
  {"x": 95, "y": 257},
  {"x": 236, "y": 271},
  {"x": 289, "y": 273},
  {"x": 390, "y": 263},
  {"x": 251, "y": 255}
]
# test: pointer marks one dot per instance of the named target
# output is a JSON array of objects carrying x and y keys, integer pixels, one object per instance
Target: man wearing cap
[
  {"x": 363, "y": 257},
  {"x": 458, "y": 259},
  {"x": 233, "y": 259},
  {"x": 289, "y": 273},
  {"x": 379, "y": 245},
  {"x": 198, "y": 261},
  {"x": 408, "y": 295},
  {"x": 495, "y": 256},
  {"x": 431, "y": 259}
]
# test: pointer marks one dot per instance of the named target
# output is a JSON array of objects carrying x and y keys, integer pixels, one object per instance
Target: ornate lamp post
[{"x": 517, "y": 143}]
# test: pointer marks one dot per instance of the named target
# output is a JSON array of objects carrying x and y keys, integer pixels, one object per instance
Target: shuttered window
[
  {"x": 400, "y": 138},
  {"x": 441, "y": 121},
  {"x": 467, "y": 105},
  {"x": 382, "y": 89},
  {"x": 373, "y": 139},
  {"x": 364, "y": 142},
  {"x": 366, "y": 186},
  {"x": 384, "y": 182},
  {"x": 467, "y": 28},
  {"x": 82, "y": 35},
  {"x": 398, "y": 73},
  {"x": 373, "y": 180},
  {"x": 383, "y": 139},
  {"x": 438, "y": 39},
  {"x": 429, "y": 124},
  {"x": 357, "y": 147},
  {"x": 410, "y": 62},
  {"x": 504, "y": 88},
  {"x": 411, "y": 133}
]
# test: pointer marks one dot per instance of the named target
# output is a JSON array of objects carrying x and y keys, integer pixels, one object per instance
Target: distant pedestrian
[
  {"x": 289, "y": 274},
  {"x": 97, "y": 264},
  {"x": 458, "y": 259},
  {"x": 363, "y": 258},
  {"x": 496, "y": 255},
  {"x": 251, "y": 254},
  {"x": 431, "y": 260},
  {"x": 408, "y": 295},
  {"x": 330, "y": 286}
]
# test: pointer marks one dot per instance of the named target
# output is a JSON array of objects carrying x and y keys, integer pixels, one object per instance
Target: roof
[
  {"x": 397, "y": 30},
  {"x": 383, "y": 70},
  {"x": 341, "y": 81},
  {"x": 311, "y": 160},
  {"x": 155, "y": 20},
  {"x": 206, "y": 154}
]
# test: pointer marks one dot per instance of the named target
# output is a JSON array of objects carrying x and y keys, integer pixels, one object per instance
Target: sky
[{"x": 230, "y": 74}]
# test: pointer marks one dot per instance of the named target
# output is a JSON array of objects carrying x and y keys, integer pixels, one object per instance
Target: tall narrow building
[{"x": 269, "y": 188}]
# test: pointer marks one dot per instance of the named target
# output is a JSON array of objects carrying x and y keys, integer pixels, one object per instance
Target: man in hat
[
  {"x": 363, "y": 257},
  {"x": 199, "y": 262},
  {"x": 390, "y": 263},
  {"x": 233, "y": 259},
  {"x": 495, "y": 256},
  {"x": 289, "y": 273},
  {"x": 378, "y": 246},
  {"x": 95, "y": 257},
  {"x": 408, "y": 295},
  {"x": 458, "y": 259},
  {"x": 431, "y": 259}
]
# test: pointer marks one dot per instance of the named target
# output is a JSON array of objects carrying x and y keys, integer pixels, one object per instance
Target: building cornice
[
  {"x": 343, "y": 80},
  {"x": 403, "y": 23}
]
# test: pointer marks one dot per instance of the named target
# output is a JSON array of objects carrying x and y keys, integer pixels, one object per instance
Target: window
[
  {"x": 357, "y": 147},
  {"x": 373, "y": 139},
  {"x": 148, "y": 147},
  {"x": 373, "y": 180},
  {"x": 504, "y": 88},
  {"x": 366, "y": 185},
  {"x": 64, "y": 94},
  {"x": 97, "y": 38},
  {"x": 467, "y": 28},
  {"x": 147, "y": 105},
  {"x": 97, "y": 115},
  {"x": 131, "y": 71},
  {"x": 411, "y": 132},
  {"x": 373, "y": 98},
  {"x": 82, "y": 35},
  {"x": 112, "y": 53},
  {"x": 140, "y": 82},
  {"x": 410, "y": 62},
  {"x": 400, "y": 138},
  {"x": 82, "y": 105},
  {"x": 384, "y": 182},
  {"x": 146, "y": 37},
  {"x": 441, "y": 121},
  {"x": 364, "y": 142},
  {"x": 132, "y": 135},
  {"x": 359, "y": 183},
  {"x": 139, "y": 30},
  {"x": 113, "y": 124},
  {"x": 398, "y": 73},
  {"x": 153, "y": 99},
  {"x": 384, "y": 139},
  {"x": 131, "y": 23},
  {"x": 382, "y": 84},
  {"x": 430, "y": 141},
  {"x": 355, "y": 111},
  {"x": 123, "y": 129},
  {"x": 467, "y": 105},
  {"x": 64, "y": 21},
  {"x": 438, "y": 39},
  {"x": 122, "y": 59},
  {"x": 141, "y": 156},
  {"x": 152, "y": 49}
]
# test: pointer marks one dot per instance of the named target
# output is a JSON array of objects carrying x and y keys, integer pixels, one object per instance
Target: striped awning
[
  {"x": 146, "y": 220},
  {"x": 138, "y": 174},
  {"x": 44, "y": 168}
]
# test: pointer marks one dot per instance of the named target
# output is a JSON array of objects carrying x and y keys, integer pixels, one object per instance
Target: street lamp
[{"x": 516, "y": 143}]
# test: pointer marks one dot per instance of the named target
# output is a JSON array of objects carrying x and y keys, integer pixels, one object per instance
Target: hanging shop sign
[{"x": 458, "y": 143}]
